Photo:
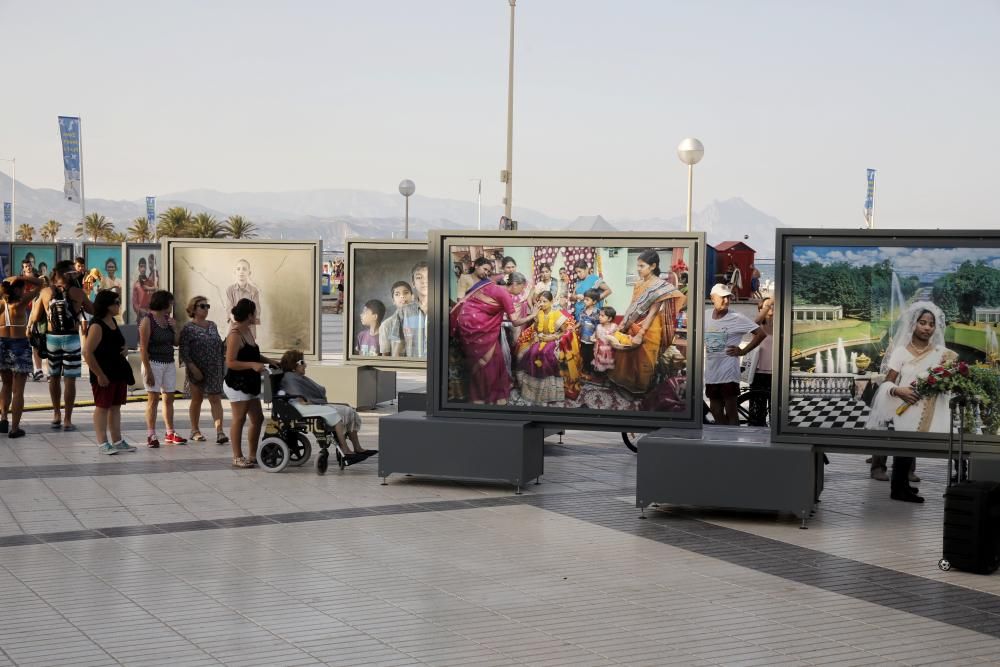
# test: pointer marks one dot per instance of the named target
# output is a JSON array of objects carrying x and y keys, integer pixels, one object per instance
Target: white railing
[{"x": 822, "y": 384}]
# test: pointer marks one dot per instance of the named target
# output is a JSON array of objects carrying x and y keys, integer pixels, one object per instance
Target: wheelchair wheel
[
  {"x": 299, "y": 448},
  {"x": 273, "y": 455}
]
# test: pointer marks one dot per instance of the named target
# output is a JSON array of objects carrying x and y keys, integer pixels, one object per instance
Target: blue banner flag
[
  {"x": 151, "y": 210},
  {"x": 870, "y": 197},
  {"x": 8, "y": 211},
  {"x": 69, "y": 132}
]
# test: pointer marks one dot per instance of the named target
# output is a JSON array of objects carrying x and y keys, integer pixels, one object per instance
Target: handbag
[{"x": 36, "y": 339}]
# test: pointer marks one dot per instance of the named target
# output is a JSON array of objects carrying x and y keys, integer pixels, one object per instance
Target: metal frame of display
[
  {"x": 350, "y": 246},
  {"x": 166, "y": 258},
  {"x": 438, "y": 310},
  {"x": 846, "y": 439}
]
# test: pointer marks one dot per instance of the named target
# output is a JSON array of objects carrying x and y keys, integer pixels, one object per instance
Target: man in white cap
[{"x": 723, "y": 332}]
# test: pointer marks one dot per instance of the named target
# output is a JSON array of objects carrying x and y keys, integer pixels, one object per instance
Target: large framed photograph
[
  {"x": 104, "y": 260},
  {"x": 878, "y": 331},
  {"x": 385, "y": 317},
  {"x": 40, "y": 256},
  {"x": 143, "y": 276},
  {"x": 559, "y": 328},
  {"x": 280, "y": 277}
]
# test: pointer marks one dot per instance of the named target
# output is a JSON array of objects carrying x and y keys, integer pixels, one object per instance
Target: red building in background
[{"x": 736, "y": 254}]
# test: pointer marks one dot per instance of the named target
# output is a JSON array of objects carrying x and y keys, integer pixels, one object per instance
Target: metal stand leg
[
  {"x": 385, "y": 481},
  {"x": 805, "y": 517},
  {"x": 642, "y": 512},
  {"x": 560, "y": 437},
  {"x": 538, "y": 480},
  {"x": 517, "y": 490}
]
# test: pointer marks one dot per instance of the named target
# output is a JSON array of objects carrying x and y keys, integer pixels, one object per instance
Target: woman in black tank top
[
  {"x": 110, "y": 373},
  {"x": 244, "y": 364}
]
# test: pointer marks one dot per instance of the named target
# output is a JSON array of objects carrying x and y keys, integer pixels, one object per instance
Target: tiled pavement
[{"x": 171, "y": 557}]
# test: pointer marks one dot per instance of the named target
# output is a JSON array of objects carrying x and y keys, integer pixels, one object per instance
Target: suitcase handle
[{"x": 958, "y": 401}]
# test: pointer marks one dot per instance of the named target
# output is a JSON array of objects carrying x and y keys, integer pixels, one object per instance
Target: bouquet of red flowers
[{"x": 953, "y": 377}]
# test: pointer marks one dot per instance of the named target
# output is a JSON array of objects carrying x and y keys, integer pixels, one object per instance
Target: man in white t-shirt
[{"x": 723, "y": 332}]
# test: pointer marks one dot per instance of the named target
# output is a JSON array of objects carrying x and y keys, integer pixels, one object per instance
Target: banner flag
[
  {"x": 69, "y": 132},
  {"x": 151, "y": 210},
  {"x": 870, "y": 197},
  {"x": 7, "y": 213}
]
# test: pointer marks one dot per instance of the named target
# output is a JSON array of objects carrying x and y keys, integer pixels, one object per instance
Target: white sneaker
[
  {"x": 123, "y": 446},
  {"x": 107, "y": 448}
]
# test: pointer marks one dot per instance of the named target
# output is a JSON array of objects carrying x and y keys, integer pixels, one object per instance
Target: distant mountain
[{"x": 335, "y": 214}]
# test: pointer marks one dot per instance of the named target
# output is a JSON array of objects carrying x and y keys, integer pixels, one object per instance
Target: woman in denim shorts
[{"x": 15, "y": 351}]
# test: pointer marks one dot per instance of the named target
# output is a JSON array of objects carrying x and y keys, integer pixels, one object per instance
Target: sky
[
  {"x": 793, "y": 101},
  {"x": 924, "y": 263}
]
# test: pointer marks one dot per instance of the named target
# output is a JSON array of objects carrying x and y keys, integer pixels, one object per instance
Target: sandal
[
  {"x": 242, "y": 462},
  {"x": 222, "y": 439},
  {"x": 196, "y": 436}
]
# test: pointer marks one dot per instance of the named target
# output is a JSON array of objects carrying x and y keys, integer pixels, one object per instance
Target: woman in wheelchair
[{"x": 310, "y": 401}]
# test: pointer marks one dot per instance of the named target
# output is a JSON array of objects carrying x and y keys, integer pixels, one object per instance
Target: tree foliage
[
  {"x": 175, "y": 222},
  {"x": 95, "y": 227},
  {"x": 205, "y": 226},
  {"x": 238, "y": 227},
  {"x": 973, "y": 284},
  {"x": 865, "y": 292},
  {"x": 50, "y": 230},
  {"x": 25, "y": 232},
  {"x": 140, "y": 231}
]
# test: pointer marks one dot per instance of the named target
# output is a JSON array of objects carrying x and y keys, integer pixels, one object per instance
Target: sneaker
[
  {"x": 107, "y": 448},
  {"x": 37, "y": 376},
  {"x": 123, "y": 446},
  {"x": 222, "y": 439},
  {"x": 16, "y": 433},
  {"x": 152, "y": 442},
  {"x": 174, "y": 439},
  {"x": 4, "y": 425}
]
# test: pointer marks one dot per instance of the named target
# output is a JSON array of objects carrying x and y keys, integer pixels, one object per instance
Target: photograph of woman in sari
[
  {"x": 538, "y": 360},
  {"x": 649, "y": 320}
]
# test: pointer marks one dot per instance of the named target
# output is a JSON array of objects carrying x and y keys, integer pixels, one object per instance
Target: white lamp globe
[{"x": 690, "y": 151}]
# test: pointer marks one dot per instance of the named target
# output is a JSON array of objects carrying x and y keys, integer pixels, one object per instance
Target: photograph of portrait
[
  {"x": 40, "y": 256},
  {"x": 141, "y": 279},
  {"x": 564, "y": 327},
  {"x": 107, "y": 260},
  {"x": 883, "y": 336},
  {"x": 280, "y": 277},
  {"x": 386, "y": 314},
  {"x": 5, "y": 259}
]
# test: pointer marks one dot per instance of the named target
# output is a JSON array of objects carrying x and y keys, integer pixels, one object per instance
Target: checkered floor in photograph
[{"x": 827, "y": 412}]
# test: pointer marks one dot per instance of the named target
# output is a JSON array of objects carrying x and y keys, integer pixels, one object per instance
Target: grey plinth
[
  {"x": 415, "y": 401},
  {"x": 727, "y": 467},
  {"x": 466, "y": 449},
  {"x": 363, "y": 387}
]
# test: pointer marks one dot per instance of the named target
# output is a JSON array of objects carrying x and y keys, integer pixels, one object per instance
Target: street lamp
[
  {"x": 407, "y": 188},
  {"x": 690, "y": 151},
  {"x": 479, "y": 202},
  {"x": 505, "y": 176},
  {"x": 13, "y": 195}
]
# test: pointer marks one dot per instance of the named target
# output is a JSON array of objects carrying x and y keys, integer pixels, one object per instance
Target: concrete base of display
[
  {"x": 466, "y": 449},
  {"x": 411, "y": 401},
  {"x": 363, "y": 387},
  {"x": 728, "y": 467}
]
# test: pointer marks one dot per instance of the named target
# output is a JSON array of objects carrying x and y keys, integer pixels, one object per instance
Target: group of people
[
  {"x": 78, "y": 328},
  {"x": 403, "y": 333},
  {"x": 554, "y": 347}
]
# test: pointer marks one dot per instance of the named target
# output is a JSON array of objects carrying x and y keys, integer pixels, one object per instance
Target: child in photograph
[
  {"x": 588, "y": 326},
  {"x": 390, "y": 336},
  {"x": 372, "y": 315},
  {"x": 604, "y": 354},
  {"x": 241, "y": 289}
]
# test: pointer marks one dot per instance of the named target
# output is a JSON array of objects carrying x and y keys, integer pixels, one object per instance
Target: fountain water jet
[{"x": 819, "y": 363}]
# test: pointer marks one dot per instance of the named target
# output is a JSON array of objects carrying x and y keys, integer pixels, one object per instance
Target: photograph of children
[
  {"x": 882, "y": 337},
  {"x": 280, "y": 277},
  {"x": 41, "y": 257},
  {"x": 104, "y": 263},
  {"x": 387, "y": 301},
  {"x": 142, "y": 278},
  {"x": 522, "y": 335}
]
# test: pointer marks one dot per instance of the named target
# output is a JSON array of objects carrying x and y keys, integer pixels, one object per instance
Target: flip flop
[
  {"x": 69, "y": 427},
  {"x": 56, "y": 424}
]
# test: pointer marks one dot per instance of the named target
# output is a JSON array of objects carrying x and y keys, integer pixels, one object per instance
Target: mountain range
[{"x": 335, "y": 214}]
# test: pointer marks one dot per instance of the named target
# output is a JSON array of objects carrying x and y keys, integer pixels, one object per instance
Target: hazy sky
[{"x": 792, "y": 99}]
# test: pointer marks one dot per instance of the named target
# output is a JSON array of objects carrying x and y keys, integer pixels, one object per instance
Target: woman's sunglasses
[{"x": 203, "y": 305}]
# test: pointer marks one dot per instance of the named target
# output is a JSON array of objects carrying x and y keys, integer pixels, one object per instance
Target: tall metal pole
[
  {"x": 479, "y": 202},
  {"x": 690, "y": 190},
  {"x": 871, "y": 225},
  {"x": 13, "y": 196},
  {"x": 406, "y": 227},
  {"x": 509, "y": 192}
]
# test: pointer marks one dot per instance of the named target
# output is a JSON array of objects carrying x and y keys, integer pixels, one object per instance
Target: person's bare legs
[
  {"x": 17, "y": 400},
  {"x": 215, "y": 401},
  {"x": 168, "y": 410},
  {"x": 6, "y": 392},
  {"x": 152, "y": 399},
  {"x": 55, "y": 395},
  {"x": 101, "y": 425},
  {"x": 236, "y": 427},
  {"x": 115, "y": 423},
  {"x": 732, "y": 416},
  {"x": 718, "y": 409},
  {"x": 194, "y": 408},
  {"x": 69, "y": 400},
  {"x": 256, "y": 415}
]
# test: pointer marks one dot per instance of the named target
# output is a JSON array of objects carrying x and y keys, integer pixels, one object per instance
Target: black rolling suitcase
[{"x": 971, "y": 513}]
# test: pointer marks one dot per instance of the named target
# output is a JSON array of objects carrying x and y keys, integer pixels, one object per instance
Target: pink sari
[{"x": 479, "y": 331}]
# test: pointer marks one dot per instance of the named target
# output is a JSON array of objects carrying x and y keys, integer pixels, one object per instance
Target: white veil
[{"x": 907, "y": 323}]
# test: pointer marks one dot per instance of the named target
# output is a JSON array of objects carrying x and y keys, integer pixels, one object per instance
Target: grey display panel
[
  {"x": 540, "y": 383},
  {"x": 388, "y": 277},
  {"x": 863, "y": 315}
]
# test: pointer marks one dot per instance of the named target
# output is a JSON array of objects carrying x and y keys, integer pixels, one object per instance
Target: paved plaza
[{"x": 173, "y": 557}]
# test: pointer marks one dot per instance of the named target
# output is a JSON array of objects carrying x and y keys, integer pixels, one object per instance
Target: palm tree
[
  {"x": 95, "y": 227},
  {"x": 173, "y": 223},
  {"x": 140, "y": 231},
  {"x": 50, "y": 230},
  {"x": 25, "y": 232},
  {"x": 238, "y": 227},
  {"x": 205, "y": 226},
  {"x": 116, "y": 237}
]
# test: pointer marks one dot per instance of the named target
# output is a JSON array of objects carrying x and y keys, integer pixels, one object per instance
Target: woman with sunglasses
[
  {"x": 204, "y": 358},
  {"x": 110, "y": 374}
]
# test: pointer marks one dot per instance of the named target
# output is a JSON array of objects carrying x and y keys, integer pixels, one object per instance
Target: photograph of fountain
[{"x": 882, "y": 337}]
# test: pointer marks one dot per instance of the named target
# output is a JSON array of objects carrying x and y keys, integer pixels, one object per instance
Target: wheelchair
[{"x": 296, "y": 436}]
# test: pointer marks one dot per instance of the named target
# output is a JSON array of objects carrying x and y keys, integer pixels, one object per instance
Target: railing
[{"x": 823, "y": 384}]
